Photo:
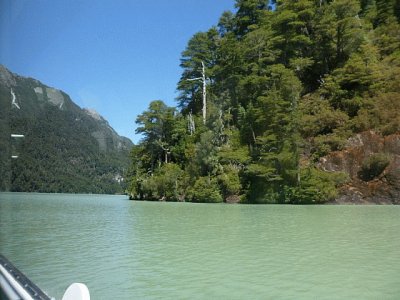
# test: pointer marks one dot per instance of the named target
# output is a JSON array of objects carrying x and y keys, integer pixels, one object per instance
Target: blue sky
[{"x": 111, "y": 55}]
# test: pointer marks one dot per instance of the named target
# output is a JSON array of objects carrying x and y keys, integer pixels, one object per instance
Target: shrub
[
  {"x": 169, "y": 180},
  {"x": 316, "y": 186},
  {"x": 323, "y": 144},
  {"x": 230, "y": 182},
  {"x": 373, "y": 166},
  {"x": 205, "y": 190}
]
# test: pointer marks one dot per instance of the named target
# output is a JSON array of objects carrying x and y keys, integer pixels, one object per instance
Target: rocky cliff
[{"x": 372, "y": 162}]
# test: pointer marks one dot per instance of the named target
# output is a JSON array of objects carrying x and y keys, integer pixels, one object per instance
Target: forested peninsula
[{"x": 295, "y": 101}]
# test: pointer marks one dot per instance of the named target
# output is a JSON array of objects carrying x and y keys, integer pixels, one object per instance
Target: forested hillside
[
  {"x": 266, "y": 96},
  {"x": 65, "y": 149}
]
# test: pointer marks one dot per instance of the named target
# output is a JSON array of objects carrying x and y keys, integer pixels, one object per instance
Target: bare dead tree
[
  {"x": 204, "y": 81},
  {"x": 191, "y": 124}
]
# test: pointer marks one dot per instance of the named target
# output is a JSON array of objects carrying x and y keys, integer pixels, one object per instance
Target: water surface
[{"x": 125, "y": 249}]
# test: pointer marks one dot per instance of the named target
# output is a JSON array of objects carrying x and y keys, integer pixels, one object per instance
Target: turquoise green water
[{"x": 139, "y": 250}]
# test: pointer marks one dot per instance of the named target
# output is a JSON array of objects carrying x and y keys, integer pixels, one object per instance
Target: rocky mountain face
[
  {"x": 372, "y": 163},
  {"x": 64, "y": 148}
]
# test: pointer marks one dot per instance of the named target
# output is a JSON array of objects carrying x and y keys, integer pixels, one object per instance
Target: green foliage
[
  {"x": 358, "y": 78},
  {"x": 383, "y": 114},
  {"x": 323, "y": 144},
  {"x": 5, "y": 146},
  {"x": 229, "y": 181},
  {"x": 166, "y": 184},
  {"x": 373, "y": 166},
  {"x": 65, "y": 150},
  {"x": 387, "y": 38},
  {"x": 385, "y": 13},
  {"x": 319, "y": 117},
  {"x": 292, "y": 25},
  {"x": 316, "y": 187},
  {"x": 205, "y": 190},
  {"x": 248, "y": 15},
  {"x": 202, "y": 48},
  {"x": 285, "y": 87},
  {"x": 206, "y": 154}
]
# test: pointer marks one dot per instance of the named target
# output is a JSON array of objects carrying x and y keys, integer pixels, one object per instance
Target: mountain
[{"x": 64, "y": 149}]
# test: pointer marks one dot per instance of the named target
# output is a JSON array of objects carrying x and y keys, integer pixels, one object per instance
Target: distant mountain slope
[{"x": 65, "y": 149}]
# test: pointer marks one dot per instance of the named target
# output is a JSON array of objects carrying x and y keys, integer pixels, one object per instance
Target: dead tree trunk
[{"x": 204, "y": 93}]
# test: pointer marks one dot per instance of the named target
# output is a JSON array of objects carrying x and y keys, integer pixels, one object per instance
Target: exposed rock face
[
  {"x": 54, "y": 97},
  {"x": 232, "y": 199},
  {"x": 382, "y": 189},
  {"x": 94, "y": 114},
  {"x": 6, "y": 77}
]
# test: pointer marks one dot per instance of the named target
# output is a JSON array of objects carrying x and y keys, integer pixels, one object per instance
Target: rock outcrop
[{"x": 382, "y": 188}]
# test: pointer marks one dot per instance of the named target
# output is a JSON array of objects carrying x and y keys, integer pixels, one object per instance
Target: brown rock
[
  {"x": 385, "y": 188},
  {"x": 232, "y": 199}
]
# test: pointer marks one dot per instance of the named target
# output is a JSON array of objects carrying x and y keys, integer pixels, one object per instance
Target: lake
[{"x": 125, "y": 249}]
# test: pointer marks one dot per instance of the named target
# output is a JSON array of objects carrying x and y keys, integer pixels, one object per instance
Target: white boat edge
[
  {"x": 15, "y": 285},
  {"x": 77, "y": 291}
]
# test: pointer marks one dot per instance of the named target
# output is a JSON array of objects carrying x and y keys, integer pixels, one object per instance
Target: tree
[
  {"x": 206, "y": 190},
  {"x": 249, "y": 13},
  {"x": 200, "y": 51},
  {"x": 293, "y": 27},
  {"x": 360, "y": 76},
  {"x": 226, "y": 23},
  {"x": 275, "y": 155},
  {"x": 285, "y": 86},
  {"x": 338, "y": 33},
  {"x": 385, "y": 13},
  {"x": 206, "y": 154},
  {"x": 156, "y": 124}
]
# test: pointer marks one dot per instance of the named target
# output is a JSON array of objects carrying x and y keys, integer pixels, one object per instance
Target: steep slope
[{"x": 65, "y": 148}]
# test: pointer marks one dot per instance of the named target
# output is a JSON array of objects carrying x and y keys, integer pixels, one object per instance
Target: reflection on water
[{"x": 124, "y": 249}]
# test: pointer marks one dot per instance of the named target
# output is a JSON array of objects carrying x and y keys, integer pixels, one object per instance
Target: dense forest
[
  {"x": 65, "y": 149},
  {"x": 267, "y": 93}
]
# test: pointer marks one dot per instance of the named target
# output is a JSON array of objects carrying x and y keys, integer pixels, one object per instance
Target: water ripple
[{"x": 139, "y": 250}]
